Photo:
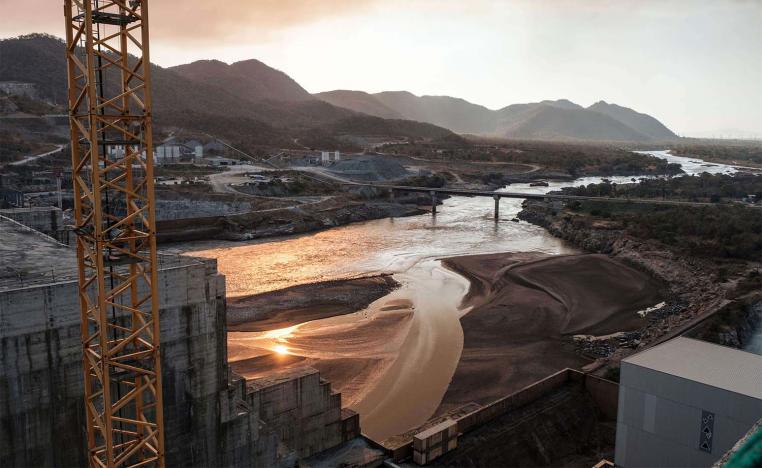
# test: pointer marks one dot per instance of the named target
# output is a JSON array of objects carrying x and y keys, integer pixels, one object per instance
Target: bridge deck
[{"x": 539, "y": 196}]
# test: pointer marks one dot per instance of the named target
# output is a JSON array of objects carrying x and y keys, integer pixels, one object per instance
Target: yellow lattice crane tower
[{"x": 112, "y": 169}]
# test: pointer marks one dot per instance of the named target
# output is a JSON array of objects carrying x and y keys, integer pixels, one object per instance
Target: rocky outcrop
[{"x": 736, "y": 325}]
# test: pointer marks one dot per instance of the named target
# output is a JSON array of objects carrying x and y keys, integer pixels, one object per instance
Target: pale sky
[{"x": 694, "y": 64}]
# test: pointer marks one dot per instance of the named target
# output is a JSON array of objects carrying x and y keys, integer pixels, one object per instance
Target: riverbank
[
  {"x": 311, "y": 217},
  {"x": 518, "y": 318},
  {"x": 525, "y": 309},
  {"x": 698, "y": 285},
  {"x": 306, "y": 302}
]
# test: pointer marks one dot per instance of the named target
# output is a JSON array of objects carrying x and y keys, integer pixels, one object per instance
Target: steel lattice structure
[{"x": 112, "y": 160}]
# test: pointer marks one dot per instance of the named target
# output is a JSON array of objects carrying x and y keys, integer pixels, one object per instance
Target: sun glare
[{"x": 280, "y": 349}]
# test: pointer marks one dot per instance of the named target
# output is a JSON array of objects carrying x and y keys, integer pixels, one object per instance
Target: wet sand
[
  {"x": 306, "y": 302},
  {"x": 503, "y": 322},
  {"x": 351, "y": 351},
  {"x": 525, "y": 308}
]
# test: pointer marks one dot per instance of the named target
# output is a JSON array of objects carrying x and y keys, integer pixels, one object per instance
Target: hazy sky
[{"x": 694, "y": 64}]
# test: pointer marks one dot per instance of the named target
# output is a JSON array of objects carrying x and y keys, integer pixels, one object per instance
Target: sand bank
[
  {"x": 305, "y": 302},
  {"x": 351, "y": 351},
  {"x": 526, "y": 307}
]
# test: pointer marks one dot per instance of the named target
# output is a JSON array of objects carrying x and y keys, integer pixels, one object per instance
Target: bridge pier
[
  {"x": 497, "y": 207},
  {"x": 433, "y": 202}
]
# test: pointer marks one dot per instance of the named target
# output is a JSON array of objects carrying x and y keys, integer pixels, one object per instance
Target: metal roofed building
[{"x": 685, "y": 402}]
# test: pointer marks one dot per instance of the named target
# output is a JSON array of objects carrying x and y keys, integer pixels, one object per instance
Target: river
[{"x": 407, "y": 389}]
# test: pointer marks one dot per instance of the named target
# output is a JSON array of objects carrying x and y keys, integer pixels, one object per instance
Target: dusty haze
[{"x": 694, "y": 64}]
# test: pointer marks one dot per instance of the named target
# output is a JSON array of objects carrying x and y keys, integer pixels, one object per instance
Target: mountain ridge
[
  {"x": 247, "y": 102},
  {"x": 200, "y": 93},
  {"x": 462, "y": 116}
]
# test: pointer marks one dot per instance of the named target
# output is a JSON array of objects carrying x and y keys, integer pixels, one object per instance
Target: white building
[
  {"x": 168, "y": 153},
  {"x": 685, "y": 402},
  {"x": 326, "y": 157}
]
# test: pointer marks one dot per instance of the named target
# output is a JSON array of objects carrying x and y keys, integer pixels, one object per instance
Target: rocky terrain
[
  {"x": 698, "y": 287},
  {"x": 282, "y": 221}
]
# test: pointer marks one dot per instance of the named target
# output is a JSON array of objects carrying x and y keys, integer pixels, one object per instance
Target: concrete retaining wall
[
  {"x": 603, "y": 392},
  {"x": 208, "y": 423},
  {"x": 300, "y": 408},
  {"x": 48, "y": 220}
]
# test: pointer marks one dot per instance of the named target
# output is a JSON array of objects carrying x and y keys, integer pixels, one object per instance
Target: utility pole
[{"x": 107, "y": 52}]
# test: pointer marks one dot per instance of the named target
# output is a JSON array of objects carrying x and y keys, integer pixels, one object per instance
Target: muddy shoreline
[
  {"x": 305, "y": 302},
  {"x": 524, "y": 311},
  {"x": 518, "y": 320}
]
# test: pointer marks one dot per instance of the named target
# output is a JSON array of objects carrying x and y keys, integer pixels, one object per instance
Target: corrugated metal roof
[{"x": 718, "y": 366}]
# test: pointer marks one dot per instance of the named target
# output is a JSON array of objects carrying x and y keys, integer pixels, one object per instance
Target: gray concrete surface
[
  {"x": 211, "y": 417},
  {"x": 46, "y": 219},
  {"x": 684, "y": 392}
]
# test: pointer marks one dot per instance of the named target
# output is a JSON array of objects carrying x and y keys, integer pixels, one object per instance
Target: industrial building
[
  {"x": 686, "y": 402},
  {"x": 327, "y": 157}
]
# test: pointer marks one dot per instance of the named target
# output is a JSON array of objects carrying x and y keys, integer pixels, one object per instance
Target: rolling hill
[
  {"x": 456, "y": 114},
  {"x": 643, "y": 123},
  {"x": 359, "y": 101},
  {"x": 265, "y": 106},
  {"x": 249, "y": 79},
  {"x": 552, "y": 120},
  {"x": 247, "y": 102}
]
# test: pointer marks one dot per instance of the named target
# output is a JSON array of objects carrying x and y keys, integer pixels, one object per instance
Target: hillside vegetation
[
  {"x": 247, "y": 103},
  {"x": 726, "y": 230},
  {"x": 571, "y": 158},
  {"x": 723, "y": 151}
]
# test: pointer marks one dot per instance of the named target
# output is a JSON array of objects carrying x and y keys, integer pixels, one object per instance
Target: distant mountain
[
  {"x": 552, "y": 120},
  {"x": 276, "y": 110},
  {"x": 359, "y": 101},
  {"x": 642, "y": 123},
  {"x": 548, "y": 122},
  {"x": 246, "y": 102},
  {"x": 456, "y": 114},
  {"x": 38, "y": 59},
  {"x": 250, "y": 79}
]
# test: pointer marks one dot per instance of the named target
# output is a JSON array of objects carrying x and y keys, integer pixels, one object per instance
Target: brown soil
[{"x": 525, "y": 309}]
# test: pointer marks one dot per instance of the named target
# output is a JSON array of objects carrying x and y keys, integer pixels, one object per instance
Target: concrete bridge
[{"x": 435, "y": 192}]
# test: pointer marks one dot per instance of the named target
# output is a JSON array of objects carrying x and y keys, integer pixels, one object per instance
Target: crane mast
[{"x": 112, "y": 169}]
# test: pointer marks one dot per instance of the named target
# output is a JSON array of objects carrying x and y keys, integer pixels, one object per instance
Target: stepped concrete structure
[{"x": 212, "y": 417}]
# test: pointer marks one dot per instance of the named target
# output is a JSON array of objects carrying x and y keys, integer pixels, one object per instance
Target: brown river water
[{"x": 417, "y": 360}]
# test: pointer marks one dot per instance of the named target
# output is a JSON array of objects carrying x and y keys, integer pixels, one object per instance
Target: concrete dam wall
[
  {"x": 41, "y": 384},
  {"x": 212, "y": 416}
]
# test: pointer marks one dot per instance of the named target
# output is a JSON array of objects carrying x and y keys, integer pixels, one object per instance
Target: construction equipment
[{"x": 112, "y": 171}]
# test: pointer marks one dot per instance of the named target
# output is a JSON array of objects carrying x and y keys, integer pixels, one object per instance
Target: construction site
[{"x": 144, "y": 321}]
